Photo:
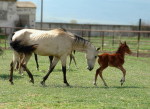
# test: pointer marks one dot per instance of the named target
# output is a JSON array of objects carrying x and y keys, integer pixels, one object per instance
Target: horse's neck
[{"x": 81, "y": 46}]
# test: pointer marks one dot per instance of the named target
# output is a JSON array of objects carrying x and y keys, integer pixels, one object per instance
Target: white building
[{"x": 15, "y": 13}]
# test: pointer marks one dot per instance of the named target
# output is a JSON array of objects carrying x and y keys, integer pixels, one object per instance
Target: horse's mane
[{"x": 79, "y": 39}]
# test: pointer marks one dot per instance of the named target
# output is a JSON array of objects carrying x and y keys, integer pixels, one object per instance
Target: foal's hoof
[
  {"x": 95, "y": 84},
  {"x": 32, "y": 81},
  {"x": 122, "y": 81}
]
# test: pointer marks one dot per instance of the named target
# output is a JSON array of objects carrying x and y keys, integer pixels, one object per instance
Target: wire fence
[{"x": 108, "y": 40}]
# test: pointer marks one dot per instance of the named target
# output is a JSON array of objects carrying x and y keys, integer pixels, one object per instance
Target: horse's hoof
[
  {"x": 67, "y": 84},
  {"x": 43, "y": 83},
  {"x": 12, "y": 83},
  {"x": 121, "y": 84},
  {"x": 32, "y": 81},
  {"x": 106, "y": 85}
]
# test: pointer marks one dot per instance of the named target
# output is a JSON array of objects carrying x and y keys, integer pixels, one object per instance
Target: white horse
[
  {"x": 50, "y": 57},
  {"x": 57, "y": 43}
]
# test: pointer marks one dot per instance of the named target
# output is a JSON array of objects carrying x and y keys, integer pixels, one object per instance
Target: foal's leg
[
  {"x": 63, "y": 61},
  {"x": 99, "y": 71},
  {"x": 54, "y": 62},
  {"x": 96, "y": 74},
  {"x": 100, "y": 74},
  {"x": 124, "y": 74}
]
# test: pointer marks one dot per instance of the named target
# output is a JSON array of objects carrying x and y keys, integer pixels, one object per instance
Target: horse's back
[{"x": 52, "y": 42}]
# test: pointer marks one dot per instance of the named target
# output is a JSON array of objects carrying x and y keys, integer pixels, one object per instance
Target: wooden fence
[{"x": 107, "y": 39}]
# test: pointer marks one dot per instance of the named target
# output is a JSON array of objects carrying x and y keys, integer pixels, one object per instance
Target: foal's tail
[{"x": 22, "y": 48}]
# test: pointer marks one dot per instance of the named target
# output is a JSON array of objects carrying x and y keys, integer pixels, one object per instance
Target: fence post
[
  {"x": 113, "y": 39},
  {"x": 5, "y": 39},
  {"x": 102, "y": 40},
  {"x": 138, "y": 40}
]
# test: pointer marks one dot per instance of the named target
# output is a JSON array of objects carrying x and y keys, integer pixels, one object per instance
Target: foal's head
[{"x": 124, "y": 48}]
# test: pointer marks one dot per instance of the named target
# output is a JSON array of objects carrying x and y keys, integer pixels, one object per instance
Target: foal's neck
[{"x": 121, "y": 52}]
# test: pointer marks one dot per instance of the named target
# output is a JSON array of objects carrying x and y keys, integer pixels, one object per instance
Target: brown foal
[{"x": 113, "y": 60}]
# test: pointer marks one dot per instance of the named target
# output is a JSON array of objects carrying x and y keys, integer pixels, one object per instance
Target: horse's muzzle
[{"x": 89, "y": 68}]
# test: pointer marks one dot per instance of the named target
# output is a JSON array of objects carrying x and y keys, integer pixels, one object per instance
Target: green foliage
[{"x": 134, "y": 94}]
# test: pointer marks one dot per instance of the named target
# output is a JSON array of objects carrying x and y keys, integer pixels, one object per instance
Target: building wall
[
  {"x": 31, "y": 13},
  {"x": 8, "y": 13}
]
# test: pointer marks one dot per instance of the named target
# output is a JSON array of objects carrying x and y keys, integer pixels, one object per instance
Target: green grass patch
[{"x": 134, "y": 94}]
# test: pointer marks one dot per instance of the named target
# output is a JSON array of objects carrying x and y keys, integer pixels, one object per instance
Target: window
[{"x": 3, "y": 15}]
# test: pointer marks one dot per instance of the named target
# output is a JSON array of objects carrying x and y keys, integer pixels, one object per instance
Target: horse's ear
[{"x": 98, "y": 49}]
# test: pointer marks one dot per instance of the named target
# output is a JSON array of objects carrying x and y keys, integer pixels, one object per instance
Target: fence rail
[{"x": 107, "y": 39}]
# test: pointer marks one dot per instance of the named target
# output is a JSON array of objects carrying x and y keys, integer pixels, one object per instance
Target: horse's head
[
  {"x": 125, "y": 47},
  {"x": 91, "y": 56}
]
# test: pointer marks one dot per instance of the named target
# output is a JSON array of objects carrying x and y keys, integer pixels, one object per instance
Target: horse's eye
[{"x": 95, "y": 56}]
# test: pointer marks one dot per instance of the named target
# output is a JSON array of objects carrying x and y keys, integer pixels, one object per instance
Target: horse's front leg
[
  {"x": 52, "y": 66},
  {"x": 36, "y": 60},
  {"x": 63, "y": 61}
]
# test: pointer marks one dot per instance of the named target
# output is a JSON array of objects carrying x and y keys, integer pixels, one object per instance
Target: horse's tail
[{"x": 22, "y": 48}]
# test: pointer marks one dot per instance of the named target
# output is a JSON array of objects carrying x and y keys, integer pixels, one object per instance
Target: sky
[{"x": 126, "y": 12}]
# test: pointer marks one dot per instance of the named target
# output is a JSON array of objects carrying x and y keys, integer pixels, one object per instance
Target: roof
[
  {"x": 25, "y": 4},
  {"x": 9, "y": 0}
]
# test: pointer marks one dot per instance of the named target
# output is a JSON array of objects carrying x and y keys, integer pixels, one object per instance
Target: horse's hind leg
[
  {"x": 12, "y": 65},
  {"x": 24, "y": 65},
  {"x": 52, "y": 66},
  {"x": 124, "y": 74}
]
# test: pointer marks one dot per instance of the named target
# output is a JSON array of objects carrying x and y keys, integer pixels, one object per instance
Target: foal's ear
[
  {"x": 125, "y": 43},
  {"x": 120, "y": 43},
  {"x": 98, "y": 49}
]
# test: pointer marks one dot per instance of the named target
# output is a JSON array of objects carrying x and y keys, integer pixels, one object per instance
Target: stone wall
[{"x": 89, "y": 27}]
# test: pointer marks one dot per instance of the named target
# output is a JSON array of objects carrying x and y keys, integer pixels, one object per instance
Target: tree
[{"x": 73, "y": 21}]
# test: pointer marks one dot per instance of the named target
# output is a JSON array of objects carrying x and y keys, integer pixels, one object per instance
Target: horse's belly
[{"x": 52, "y": 51}]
